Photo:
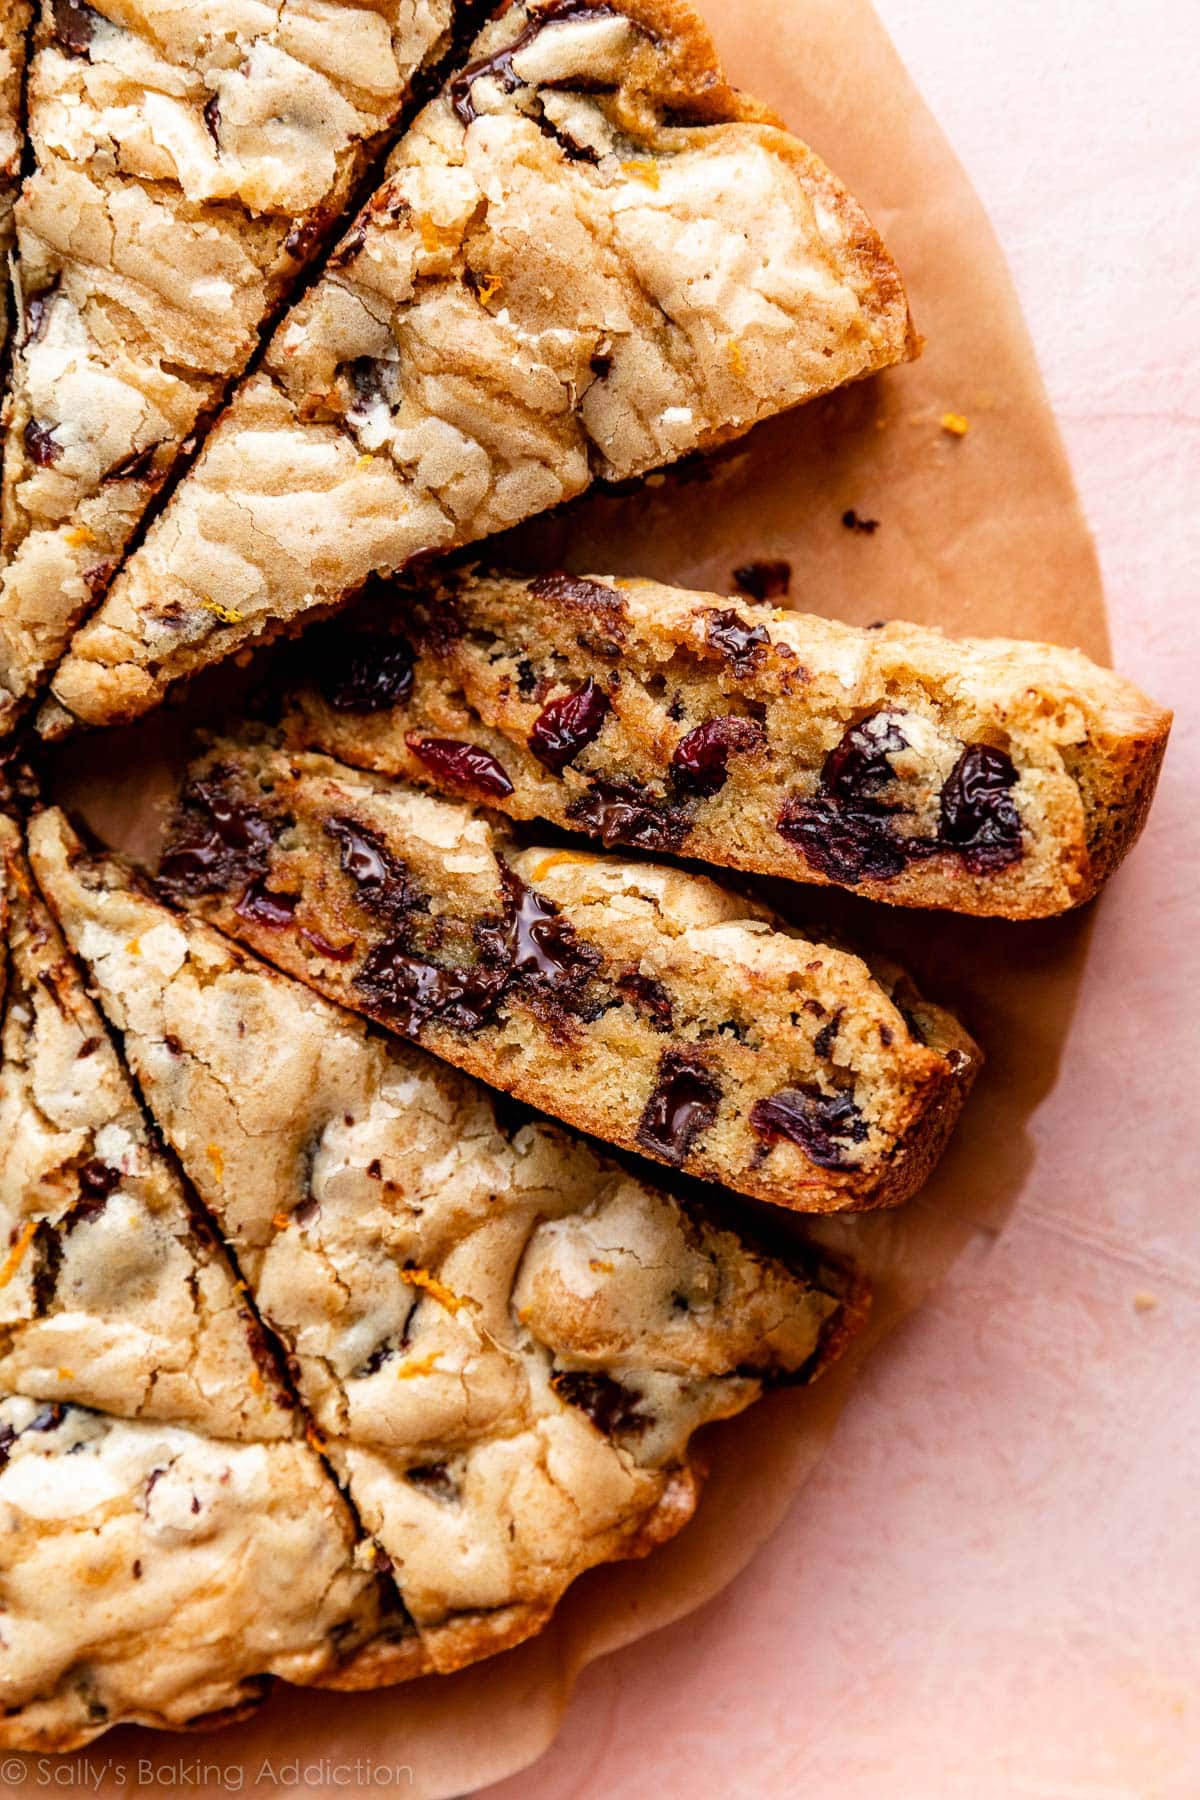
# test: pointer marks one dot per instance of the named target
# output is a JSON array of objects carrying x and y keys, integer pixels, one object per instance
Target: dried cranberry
[
  {"x": 259, "y": 906},
  {"x": 700, "y": 764},
  {"x": 648, "y": 996},
  {"x": 624, "y": 812},
  {"x": 858, "y": 767},
  {"x": 764, "y": 580},
  {"x": 819, "y": 1123},
  {"x": 739, "y": 642},
  {"x": 380, "y": 877},
  {"x": 74, "y": 25},
  {"x": 304, "y": 238},
  {"x": 682, "y": 1107},
  {"x": 979, "y": 819},
  {"x": 365, "y": 672},
  {"x": 41, "y": 444},
  {"x": 463, "y": 765},
  {"x": 611, "y": 1407},
  {"x": 567, "y": 725},
  {"x": 218, "y": 840}
]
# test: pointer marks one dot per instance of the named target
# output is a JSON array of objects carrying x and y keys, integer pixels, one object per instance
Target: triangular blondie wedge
[
  {"x": 590, "y": 257},
  {"x": 113, "y": 1293},
  {"x": 983, "y": 775},
  {"x": 636, "y": 1001},
  {"x": 505, "y": 1341},
  {"x": 14, "y": 33},
  {"x": 189, "y": 162},
  {"x": 168, "y": 1539}
]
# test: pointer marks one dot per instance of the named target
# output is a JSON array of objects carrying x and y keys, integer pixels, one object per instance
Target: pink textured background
[{"x": 992, "y": 1587}]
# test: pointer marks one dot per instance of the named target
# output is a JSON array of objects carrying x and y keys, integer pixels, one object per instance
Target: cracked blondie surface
[
  {"x": 190, "y": 161},
  {"x": 168, "y": 1541},
  {"x": 506, "y": 1342},
  {"x": 112, "y": 1292},
  {"x": 158, "y": 1575},
  {"x": 589, "y": 258},
  {"x": 14, "y": 31},
  {"x": 985, "y": 776},
  {"x": 638, "y": 1002}
]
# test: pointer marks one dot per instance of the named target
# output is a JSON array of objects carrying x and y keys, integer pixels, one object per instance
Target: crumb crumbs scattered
[
  {"x": 855, "y": 522},
  {"x": 955, "y": 424}
]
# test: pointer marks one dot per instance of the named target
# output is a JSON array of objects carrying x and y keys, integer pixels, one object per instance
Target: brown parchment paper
[{"x": 980, "y": 534}]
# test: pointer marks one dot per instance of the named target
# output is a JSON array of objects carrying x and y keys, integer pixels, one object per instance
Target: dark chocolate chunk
[
  {"x": 97, "y": 1179},
  {"x": 681, "y": 1108},
  {"x": 567, "y": 725},
  {"x": 49, "y": 1419},
  {"x": 433, "y": 1479},
  {"x": 306, "y": 235},
  {"x": 41, "y": 444},
  {"x": 648, "y": 996},
  {"x": 543, "y": 946},
  {"x": 764, "y": 580},
  {"x": 499, "y": 65},
  {"x": 700, "y": 764},
  {"x": 842, "y": 845},
  {"x": 218, "y": 841},
  {"x": 820, "y": 1124},
  {"x": 463, "y": 765},
  {"x": 598, "y": 604},
  {"x": 212, "y": 119},
  {"x": 739, "y": 642},
  {"x": 979, "y": 819},
  {"x": 611, "y": 1407},
  {"x": 852, "y": 522},
  {"x": 624, "y": 812},
  {"x": 37, "y": 311},
  {"x": 137, "y": 466},
  {"x": 824, "y": 1040},
  {"x": 47, "y": 1260},
  {"x": 408, "y": 990},
  {"x": 379, "y": 876}
]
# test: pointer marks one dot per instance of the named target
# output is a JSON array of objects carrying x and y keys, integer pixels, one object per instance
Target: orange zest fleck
[
  {"x": 599, "y": 1267},
  {"x": 735, "y": 357},
  {"x": 256, "y": 1381},
  {"x": 417, "y": 1365},
  {"x": 216, "y": 1157},
  {"x": 955, "y": 424},
  {"x": 134, "y": 947},
  {"x": 12, "y": 1261},
  {"x": 642, "y": 169},
  {"x": 437, "y": 1290},
  {"x": 281, "y": 1221},
  {"x": 228, "y": 615},
  {"x": 488, "y": 288},
  {"x": 314, "y": 1438},
  {"x": 556, "y": 859},
  {"x": 79, "y": 535}
]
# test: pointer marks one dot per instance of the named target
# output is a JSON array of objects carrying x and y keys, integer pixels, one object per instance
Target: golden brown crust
[{"x": 515, "y": 313}]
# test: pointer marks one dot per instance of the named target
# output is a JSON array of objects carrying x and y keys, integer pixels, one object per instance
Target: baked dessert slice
[
  {"x": 651, "y": 1007},
  {"x": 189, "y": 162},
  {"x": 589, "y": 258},
  {"x": 981, "y": 775},
  {"x": 154, "y": 1574},
  {"x": 113, "y": 1292},
  {"x": 505, "y": 1341},
  {"x": 168, "y": 1540},
  {"x": 14, "y": 33}
]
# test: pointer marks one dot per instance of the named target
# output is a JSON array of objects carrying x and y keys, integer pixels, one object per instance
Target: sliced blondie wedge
[
  {"x": 168, "y": 1540},
  {"x": 189, "y": 162},
  {"x": 980, "y": 775},
  {"x": 643, "y": 1004},
  {"x": 506, "y": 1342},
  {"x": 589, "y": 258}
]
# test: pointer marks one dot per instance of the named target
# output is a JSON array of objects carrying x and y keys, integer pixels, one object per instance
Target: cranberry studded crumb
[
  {"x": 740, "y": 643},
  {"x": 625, "y": 812},
  {"x": 464, "y": 765},
  {"x": 364, "y": 672},
  {"x": 700, "y": 764},
  {"x": 567, "y": 725},
  {"x": 611, "y": 1407},
  {"x": 820, "y": 1124}
]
